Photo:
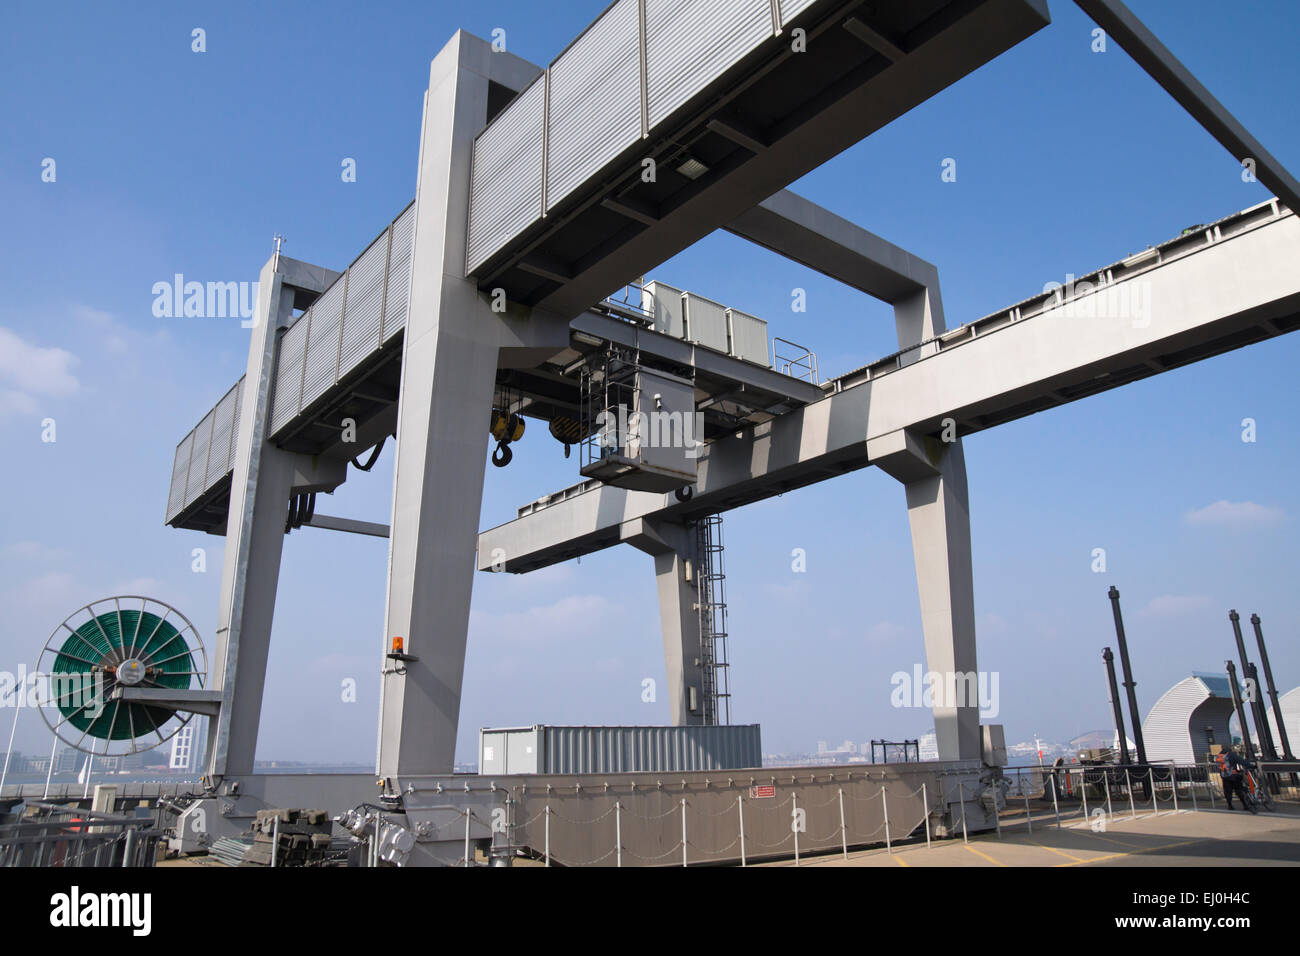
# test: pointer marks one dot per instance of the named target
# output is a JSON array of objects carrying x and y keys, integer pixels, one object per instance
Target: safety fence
[
  {"x": 59, "y": 836},
  {"x": 695, "y": 822},
  {"x": 1093, "y": 794}
]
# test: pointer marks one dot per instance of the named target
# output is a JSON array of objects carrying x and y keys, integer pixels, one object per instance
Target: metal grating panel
[
  {"x": 180, "y": 469},
  {"x": 364, "y": 302},
  {"x": 195, "y": 485},
  {"x": 239, "y": 408},
  {"x": 222, "y": 427},
  {"x": 747, "y": 336},
  {"x": 397, "y": 292},
  {"x": 288, "y": 373},
  {"x": 690, "y": 43},
  {"x": 792, "y": 8},
  {"x": 706, "y": 321},
  {"x": 506, "y": 177},
  {"x": 323, "y": 343},
  {"x": 595, "y": 100}
]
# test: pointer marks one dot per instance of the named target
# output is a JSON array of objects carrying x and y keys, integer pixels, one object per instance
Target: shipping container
[{"x": 549, "y": 749}]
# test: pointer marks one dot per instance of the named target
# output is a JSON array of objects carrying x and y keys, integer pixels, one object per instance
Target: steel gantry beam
[{"x": 1234, "y": 283}]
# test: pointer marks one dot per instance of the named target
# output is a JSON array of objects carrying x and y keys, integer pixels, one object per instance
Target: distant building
[
  {"x": 68, "y": 760},
  {"x": 187, "y": 745},
  {"x": 17, "y": 763},
  {"x": 928, "y": 746}
]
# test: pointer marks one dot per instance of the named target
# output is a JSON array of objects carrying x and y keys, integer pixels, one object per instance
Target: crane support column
[
  {"x": 454, "y": 343},
  {"x": 264, "y": 476},
  {"x": 672, "y": 547},
  {"x": 933, "y": 473}
]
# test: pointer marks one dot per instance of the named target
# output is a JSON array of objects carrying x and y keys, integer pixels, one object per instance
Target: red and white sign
[{"x": 761, "y": 793}]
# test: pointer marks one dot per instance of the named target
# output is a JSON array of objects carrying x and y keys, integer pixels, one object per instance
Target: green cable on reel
[{"x": 129, "y": 648}]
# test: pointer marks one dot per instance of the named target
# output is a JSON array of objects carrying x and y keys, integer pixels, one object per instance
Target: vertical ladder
[{"x": 712, "y": 607}]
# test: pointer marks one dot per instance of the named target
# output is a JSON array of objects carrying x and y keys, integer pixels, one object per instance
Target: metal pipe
[
  {"x": 884, "y": 804},
  {"x": 8, "y": 753},
  {"x": 1115, "y": 705},
  {"x": 1056, "y": 807},
  {"x": 1260, "y": 713},
  {"x": 925, "y": 802},
  {"x": 1256, "y": 709},
  {"x": 1241, "y": 711},
  {"x": 794, "y": 824},
  {"x": 683, "y": 831},
  {"x": 1272, "y": 688},
  {"x": 844, "y": 837},
  {"x": 1129, "y": 684},
  {"x": 740, "y": 803},
  {"x": 618, "y": 832}
]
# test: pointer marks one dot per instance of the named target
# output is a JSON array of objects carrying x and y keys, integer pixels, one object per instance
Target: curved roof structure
[
  {"x": 1190, "y": 717},
  {"x": 1290, "y": 704}
]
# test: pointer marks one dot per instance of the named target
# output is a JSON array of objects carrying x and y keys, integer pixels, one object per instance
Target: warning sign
[{"x": 759, "y": 793}]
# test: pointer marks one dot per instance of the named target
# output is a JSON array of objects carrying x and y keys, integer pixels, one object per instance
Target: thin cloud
[
  {"x": 28, "y": 371},
  {"x": 1235, "y": 514},
  {"x": 1174, "y": 605}
]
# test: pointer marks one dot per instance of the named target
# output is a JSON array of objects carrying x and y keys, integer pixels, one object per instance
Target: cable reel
[{"x": 125, "y": 643}]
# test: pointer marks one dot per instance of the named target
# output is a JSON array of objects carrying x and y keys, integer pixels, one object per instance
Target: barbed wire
[
  {"x": 673, "y": 849},
  {"x": 556, "y": 813},
  {"x": 724, "y": 849},
  {"x": 721, "y": 813}
]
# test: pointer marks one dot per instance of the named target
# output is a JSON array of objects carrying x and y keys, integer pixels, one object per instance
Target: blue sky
[{"x": 171, "y": 161}]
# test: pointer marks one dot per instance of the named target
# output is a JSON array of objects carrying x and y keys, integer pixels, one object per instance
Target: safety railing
[
  {"x": 794, "y": 360},
  {"x": 1095, "y": 794},
  {"x": 69, "y": 837}
]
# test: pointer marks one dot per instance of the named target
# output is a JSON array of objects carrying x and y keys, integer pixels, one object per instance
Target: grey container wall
[
  {"x": 549, "y": 749},
  {"x": 747, "y": 336},
  {"x": 706, "y": 321}
]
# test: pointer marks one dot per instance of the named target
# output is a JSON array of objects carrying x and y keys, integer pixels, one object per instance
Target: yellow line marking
[
  {"x": 984, "y": 855},
  {"x": 1117, "y": 842},
  {"x": 900, "y": 861},
  {"x": 1052, "y": 849},
  {"x": 1149, "y": 849}
]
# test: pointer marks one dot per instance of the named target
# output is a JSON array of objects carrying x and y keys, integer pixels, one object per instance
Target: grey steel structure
[{"x": 532, "y": 203}]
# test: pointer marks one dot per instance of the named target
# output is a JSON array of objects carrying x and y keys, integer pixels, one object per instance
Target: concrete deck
[{"x": 1186, "y": 838}]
